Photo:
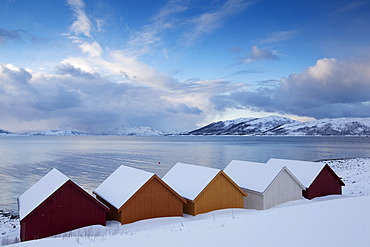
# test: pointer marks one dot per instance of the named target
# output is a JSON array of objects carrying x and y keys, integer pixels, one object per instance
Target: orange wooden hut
[
  {"x": 205, "y": 189},
  {"x": 133, "y": 194}
]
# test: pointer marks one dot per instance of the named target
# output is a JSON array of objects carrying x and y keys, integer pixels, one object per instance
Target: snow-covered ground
[
  {"x": 327, "y": 221},
  {"x": 9, "y": 228}
]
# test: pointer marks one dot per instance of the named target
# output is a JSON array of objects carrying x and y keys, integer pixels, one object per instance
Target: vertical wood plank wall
[
  {"x": 326, "y": 183},
  {"x": 254, "y": 200},
  {"x": 219, "y": 194},
  {"x": 189, "y": 207},
  {"x": 113, "y": 213},
  {"x": 153, "y": 200},
  {"x": 283, "y": 189},
  {"x": 67, "y": 209}
]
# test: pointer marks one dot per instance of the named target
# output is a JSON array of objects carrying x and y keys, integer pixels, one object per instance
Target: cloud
[
  {"x": 80, "y": 30},
  {"x": 189, "y": 27},
  {"x": 279, "y": 36},
  {"x": 349, "y": 7},
  {"x": 123, "y": 68},
  {"x": 92, "y": 102},
  {"x": 76, "y": 72},
  {"x": 260, "y": 54},
  {"x": 93, "y": 49},
  {"x": 13, "y": 35},
  {"x": 330, "y": 88},
  {"x": 82, "y": 24},
  {"x": 183, "y": 108},
  {"x": 208, "y": 22},
  {"x": 247, "y": 71},
  {"x": 145, "y": 40}
]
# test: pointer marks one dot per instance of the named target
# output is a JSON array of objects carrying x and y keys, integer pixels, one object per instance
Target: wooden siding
[
  {"x": 154, "y": 199},
  {"x": 326, "y": 183},
  {"x": 113, "y": 213},
  {"x": 220, "y": 193},
  {"x": 66, "y": 209},
  {"x": 254, "y": 200},
  {"x": 283, "y": 189},
  {"x": 189, "y": 207}
]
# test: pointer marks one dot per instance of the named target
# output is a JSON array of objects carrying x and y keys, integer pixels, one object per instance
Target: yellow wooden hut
[{"x": 205, "y": 189}]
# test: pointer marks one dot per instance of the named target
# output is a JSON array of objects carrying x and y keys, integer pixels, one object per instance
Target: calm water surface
[{"x": 88, "y": 160}]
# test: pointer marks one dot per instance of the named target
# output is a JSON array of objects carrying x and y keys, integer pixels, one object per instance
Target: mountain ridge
[
  {"x": 121, "y": 131},
  {"x": 275, "y": 125},
  {"x": 266, "y": 126}
]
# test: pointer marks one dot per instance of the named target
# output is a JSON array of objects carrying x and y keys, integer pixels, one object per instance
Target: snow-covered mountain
[
  {"x": 324, "y": 127},
  {"x": 243, "y": 126},
  {"x": 138, "y": 131},
  {"x": 284, "y": 126},
  {"x": 5, "y": 132},
  {"x": 134, "y": 131},
  {"x": 58, "y": 132}
]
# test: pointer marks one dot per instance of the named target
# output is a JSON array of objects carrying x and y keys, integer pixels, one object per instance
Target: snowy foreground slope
[
  {"x": 337, "y": 222},
  {"x": 330, "y": 221}
]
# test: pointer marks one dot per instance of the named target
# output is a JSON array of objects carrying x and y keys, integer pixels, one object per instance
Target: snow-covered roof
[
  {"x": 40, "y": 191},
  {"x": 252, "y": 175},
  {"x": 189, "y": 180},
  {"x": 122, "y": 184},
  {"x": 304, "y": 171}
]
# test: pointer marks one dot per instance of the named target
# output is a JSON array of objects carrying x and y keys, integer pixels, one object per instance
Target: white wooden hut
[{"x": 266, "y": 186}]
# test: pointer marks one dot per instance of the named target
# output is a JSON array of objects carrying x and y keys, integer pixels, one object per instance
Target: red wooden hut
[
  {"x": 318, "y": 178},
  {"x": 133, "y": 194},
  {"x": 55, "y": 204}
]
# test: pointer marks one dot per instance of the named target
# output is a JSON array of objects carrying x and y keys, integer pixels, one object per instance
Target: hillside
[
  {"x": 334, "y": 126},
  {"x": 275, "y": 125},
  {"x": 134, "y": 131},
  {"x": 243, "y": 126},
  {"x": 58, "y": 132},
  {"x": 5, "y": 132}
]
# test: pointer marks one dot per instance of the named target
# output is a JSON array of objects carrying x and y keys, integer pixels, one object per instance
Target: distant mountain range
[
  {"x": 123, "y": 131},
  {"x": 267, "y": 126},
  {"x": 134, "y": 131},
  {"x": 58, "y": 132},
  {"x": 4, "y": 132},
  {"x": 275, "y": 125}
]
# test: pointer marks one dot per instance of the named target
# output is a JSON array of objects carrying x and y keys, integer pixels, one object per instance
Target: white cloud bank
[
  {"x": 330, "y": 88},
  {"x": 91, "y": 101}
]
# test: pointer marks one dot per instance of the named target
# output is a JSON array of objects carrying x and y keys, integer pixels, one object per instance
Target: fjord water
[{"x": 88, "y": 160}]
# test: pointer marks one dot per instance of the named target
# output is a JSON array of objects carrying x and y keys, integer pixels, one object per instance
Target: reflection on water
[{"x": 88, "y": 160}]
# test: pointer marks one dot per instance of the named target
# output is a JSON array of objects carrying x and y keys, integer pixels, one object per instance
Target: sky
[{"x": 176, "y": 65}]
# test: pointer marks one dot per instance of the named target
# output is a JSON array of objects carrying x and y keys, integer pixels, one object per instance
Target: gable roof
[
  {"x": 122, "y": 184},
  {"x": 254, "y": 176},
  {"x": 40, "y": 191},
  {"x": 189, "y": 180},
  {"x": 305, "y": 171}
]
